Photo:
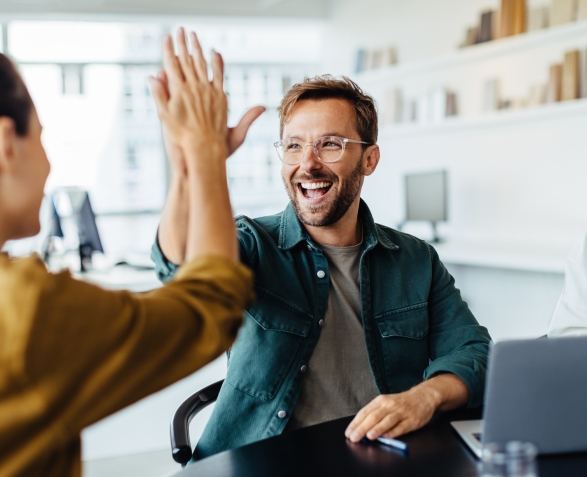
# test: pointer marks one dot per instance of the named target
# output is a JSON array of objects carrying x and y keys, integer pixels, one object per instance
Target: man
[
  {"x": 570, "y": 315},
  {"x": 351, "y": 317}
]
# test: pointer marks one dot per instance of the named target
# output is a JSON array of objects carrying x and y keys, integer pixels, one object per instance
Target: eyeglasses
[{"x": 327, "y": 148}]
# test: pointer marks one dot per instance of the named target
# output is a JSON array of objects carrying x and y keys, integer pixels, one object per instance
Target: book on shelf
[
  {"x": 582, "y": 10},
  {"x": 496, "y": 25},
  {"x": 360, "y": 60},
  {"x": 367, "y": 60},
  {"x": 553, "y": 89},
  {"x": 410, "y": 111},
  {"x": 472, "y": 36},
  {"x": 491, "y": 96},
  {"x": 393, "y": 108},
  {"x": 538, "y": 18},
  {"x": 537, "y": 95},
  {"x": 376, "y": 59},
  {"x": 452, "y": 107},
  {"x": 422, "y": 108},
  {"x": 562, "y": 11},
  {"x": 437, "y": 104},
  {"x": 512, "y": 17},
  {"x": 570, "y": 76},
  {"x": 504, "y": 16},
  {"x": 383, "y": 57},
  {"x": 388, "y": 56},
  {"x": 372, "y": 59},
  {"x": 486, "y": 28},
  {"x": 583, "y": 75}
]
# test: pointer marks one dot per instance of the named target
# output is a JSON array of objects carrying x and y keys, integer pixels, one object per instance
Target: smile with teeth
[{"x": 314, "y": 190}]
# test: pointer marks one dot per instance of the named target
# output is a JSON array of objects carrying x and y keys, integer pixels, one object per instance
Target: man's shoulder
[
  {"x": 401, "y": 240},
  {"x": 260, "y": 231},
  {"x": 268, "y": 223}
]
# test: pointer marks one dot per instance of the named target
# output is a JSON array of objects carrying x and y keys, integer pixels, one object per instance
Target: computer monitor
[
  {"x": 71, "y": 214},
  {"x": 85, "y": 220},
  {"x": 426, "y": 198},
  {"x": 54, "y": 229}
]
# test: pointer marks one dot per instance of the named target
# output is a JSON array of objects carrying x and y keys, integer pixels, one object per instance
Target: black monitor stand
[
  {"x": 85, "y": 256},
  {"x": 435, "y": 237}
]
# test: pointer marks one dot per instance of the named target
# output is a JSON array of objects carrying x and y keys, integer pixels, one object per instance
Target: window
[{"x": 101, "y": 128}]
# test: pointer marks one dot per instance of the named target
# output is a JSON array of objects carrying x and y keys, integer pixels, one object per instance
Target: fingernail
[
  {"x": 355, "y": 437},
  {"x": 371, "y": 435}
]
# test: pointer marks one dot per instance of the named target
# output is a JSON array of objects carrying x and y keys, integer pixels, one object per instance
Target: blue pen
[
  {"x": 399, "y": 445},
  {"x": 394, "y": 443}
]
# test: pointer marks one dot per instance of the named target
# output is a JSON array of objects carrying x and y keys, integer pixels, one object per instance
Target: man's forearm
[
  {"x": 447, "y": 390},
  {"x": 173, "y": 229},
  {"x": 211, "y": 225}
]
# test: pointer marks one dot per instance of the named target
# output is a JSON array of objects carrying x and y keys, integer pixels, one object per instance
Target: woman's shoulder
[{"x": 19, "y": 273}]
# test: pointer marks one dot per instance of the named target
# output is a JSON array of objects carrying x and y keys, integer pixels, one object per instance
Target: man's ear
[
  {"x": 7, "y": 143},
  {"x": 371, "y": 158}
]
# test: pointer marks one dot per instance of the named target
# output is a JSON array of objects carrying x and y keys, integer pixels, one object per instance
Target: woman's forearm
[{"x": 211, "y": 229}]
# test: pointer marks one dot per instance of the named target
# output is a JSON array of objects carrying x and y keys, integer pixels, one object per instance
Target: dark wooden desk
[{"x": 323, "y": 450}]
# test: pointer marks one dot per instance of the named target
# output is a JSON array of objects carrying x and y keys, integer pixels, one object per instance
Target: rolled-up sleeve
[
  {"x": 458, "y": 344},
  {"x": 93, "y": 351},
  {"x": 164, "y": 269}
]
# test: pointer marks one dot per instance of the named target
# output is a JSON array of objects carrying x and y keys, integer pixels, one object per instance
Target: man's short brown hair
[{"x": 329, "y": 87}]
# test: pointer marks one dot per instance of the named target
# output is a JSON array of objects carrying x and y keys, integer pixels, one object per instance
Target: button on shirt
[{"x": 339, "y": 381}]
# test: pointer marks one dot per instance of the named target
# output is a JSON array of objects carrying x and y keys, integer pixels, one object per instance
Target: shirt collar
[{"x": 292, "y": 232}]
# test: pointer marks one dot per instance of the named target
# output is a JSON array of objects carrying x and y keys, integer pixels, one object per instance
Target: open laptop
[{"x": 536, "y": 392}]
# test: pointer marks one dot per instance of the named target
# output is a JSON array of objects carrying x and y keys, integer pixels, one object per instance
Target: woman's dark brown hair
[{"x": 15, "y": 101}]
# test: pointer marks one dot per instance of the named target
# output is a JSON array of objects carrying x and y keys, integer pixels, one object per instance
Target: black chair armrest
[{"x": 181, "y": 448}]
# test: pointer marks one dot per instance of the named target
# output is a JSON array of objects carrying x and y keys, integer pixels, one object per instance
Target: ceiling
[{"x": 258, "y": 8}]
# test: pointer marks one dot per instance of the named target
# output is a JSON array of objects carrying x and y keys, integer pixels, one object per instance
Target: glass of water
[{"x": 515, "y": 459}]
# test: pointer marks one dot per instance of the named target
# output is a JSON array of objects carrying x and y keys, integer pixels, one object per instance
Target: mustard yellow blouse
[{"x": 72, "y": 353}]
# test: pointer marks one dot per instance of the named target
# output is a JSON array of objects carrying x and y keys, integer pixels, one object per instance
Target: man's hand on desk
[{"x": 391, "y": 415}]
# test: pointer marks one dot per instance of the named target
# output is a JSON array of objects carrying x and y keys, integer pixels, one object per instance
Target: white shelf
[
  {"x": 543, "y": 112},
  {"x": 527, "y": 256},
  {"x": 478, "y": 52}
]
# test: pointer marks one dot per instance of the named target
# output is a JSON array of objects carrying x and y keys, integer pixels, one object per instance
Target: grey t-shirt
[{"x": 338, "y": 380}]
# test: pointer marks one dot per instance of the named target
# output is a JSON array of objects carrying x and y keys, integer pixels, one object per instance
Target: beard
[{"x": 331, "y": 212}]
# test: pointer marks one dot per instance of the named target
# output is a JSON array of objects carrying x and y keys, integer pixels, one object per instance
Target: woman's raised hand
[{"x": 192, "y": 108}]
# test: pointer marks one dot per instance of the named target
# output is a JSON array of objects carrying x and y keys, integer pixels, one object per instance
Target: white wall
[{"x": 518, "y": 180}]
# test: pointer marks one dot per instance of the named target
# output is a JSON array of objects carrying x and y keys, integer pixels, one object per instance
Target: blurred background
[{"x": 483, "y": 120}]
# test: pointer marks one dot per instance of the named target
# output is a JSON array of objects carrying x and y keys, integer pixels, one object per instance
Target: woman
[{"x": 72, "y": 353}]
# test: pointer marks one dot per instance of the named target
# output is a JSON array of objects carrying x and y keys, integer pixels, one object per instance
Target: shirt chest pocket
[
  {"x": 408, "y": 322},
  {"x": 266, "y": 346},
  {"x": 404, "y": 345}
]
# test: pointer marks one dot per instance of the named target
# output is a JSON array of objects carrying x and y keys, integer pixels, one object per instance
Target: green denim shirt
[{"x": 415, "y": 322}]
